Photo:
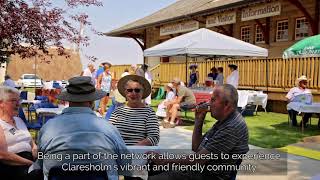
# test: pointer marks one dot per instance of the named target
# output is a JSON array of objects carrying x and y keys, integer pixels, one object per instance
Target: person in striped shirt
[
  {"x": 137, "y": 123},
  {"x": 229, "y": 135}
]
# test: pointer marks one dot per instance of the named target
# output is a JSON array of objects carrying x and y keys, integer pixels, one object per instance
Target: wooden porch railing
[{"x": 277, "y": 74}]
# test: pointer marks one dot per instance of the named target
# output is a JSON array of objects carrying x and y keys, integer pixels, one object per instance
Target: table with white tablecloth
[
  {"x": 305, "y": 108},
  {"x": 252, "y": 97}
]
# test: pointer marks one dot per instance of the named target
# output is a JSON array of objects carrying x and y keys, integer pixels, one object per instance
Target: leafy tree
[{"x": 27, "y": 26}]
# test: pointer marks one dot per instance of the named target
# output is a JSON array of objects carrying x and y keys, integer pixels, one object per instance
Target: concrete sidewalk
[{"x": 299, "y": 168}]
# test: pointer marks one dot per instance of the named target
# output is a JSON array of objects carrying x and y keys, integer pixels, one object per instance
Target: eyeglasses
[{"x": 136, "y": 90}]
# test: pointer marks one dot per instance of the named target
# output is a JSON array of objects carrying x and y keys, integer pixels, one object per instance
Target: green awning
[{"x": 308, "y": 47}]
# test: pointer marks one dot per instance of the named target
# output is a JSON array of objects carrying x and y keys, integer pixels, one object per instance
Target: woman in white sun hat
[{"x": 161, "y": 111}]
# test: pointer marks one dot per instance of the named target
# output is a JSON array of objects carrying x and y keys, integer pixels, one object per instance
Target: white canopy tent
[{"x": 204, "y": 42}]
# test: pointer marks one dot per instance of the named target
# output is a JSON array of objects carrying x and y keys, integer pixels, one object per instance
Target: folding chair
[{"x": 30, "y": 125}]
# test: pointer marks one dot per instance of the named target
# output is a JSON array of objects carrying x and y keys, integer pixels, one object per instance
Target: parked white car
[{"x": 30, "y": 80}]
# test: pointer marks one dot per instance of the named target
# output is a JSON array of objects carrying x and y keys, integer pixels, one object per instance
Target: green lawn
[{"x": 267, "y": 130}]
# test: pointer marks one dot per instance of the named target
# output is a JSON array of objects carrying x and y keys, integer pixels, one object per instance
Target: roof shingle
[{"x": 174, "y": 11}]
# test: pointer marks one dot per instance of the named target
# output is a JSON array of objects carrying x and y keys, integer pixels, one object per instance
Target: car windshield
[{"x": 31, "y": 77}]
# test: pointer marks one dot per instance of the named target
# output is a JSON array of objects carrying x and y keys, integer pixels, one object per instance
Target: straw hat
[
  {"x": 80, "y": 89},
  {"x": 141, "y": 80},
  {"x": 176, "y": 81},
  {"x": 302, "y": 78},
  {"x": 170, "y": 85}
]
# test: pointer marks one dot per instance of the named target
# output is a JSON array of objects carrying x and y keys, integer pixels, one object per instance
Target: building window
[
  {"x": 245, "y": 34},
  {"x": 302, "y": 28},
  {"x": 259, "y": 34},
  {"x": 282, "y": 30}
]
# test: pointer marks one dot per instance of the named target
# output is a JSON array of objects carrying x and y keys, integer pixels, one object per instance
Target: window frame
[
  {"x": 255, "y": 37},
  {"x": 243, "y": 27},
  {"x": 295, "y": 28},
  {"x": 278, "y": 22}
]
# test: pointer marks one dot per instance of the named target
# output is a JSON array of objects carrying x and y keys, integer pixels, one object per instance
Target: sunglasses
[{"x": 136, "y": 90}]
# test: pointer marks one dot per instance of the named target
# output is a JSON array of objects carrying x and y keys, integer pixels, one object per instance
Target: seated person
[
  {"x": 229, "y": 135},
  {"x": 293, "y": 95},
  {"x": 79, "y": 130},
  {"x": 161, "y": 111},
  {"x": 185, "y": 99},
  {"x": 17, "y": 149},
  {"x": 137, "y": 123}
]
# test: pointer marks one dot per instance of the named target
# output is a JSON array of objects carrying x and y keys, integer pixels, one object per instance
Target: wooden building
[{"x": 272, "y": 24}]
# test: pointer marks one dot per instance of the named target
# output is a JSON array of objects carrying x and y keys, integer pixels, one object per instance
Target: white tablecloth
[
  {"x": 50, "y": 110},
  {"x": 304, "y": 108},
  {"x": 252, "y": 97},
  {"x": 30, "y": 101}
]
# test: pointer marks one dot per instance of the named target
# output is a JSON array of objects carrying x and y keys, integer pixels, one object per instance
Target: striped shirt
[
  {"x": 136, "y": 124},
  {"x": 228, "y": 137}
]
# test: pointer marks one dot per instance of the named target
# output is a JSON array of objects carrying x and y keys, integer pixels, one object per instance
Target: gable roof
[{"x": 178, "y": 10}]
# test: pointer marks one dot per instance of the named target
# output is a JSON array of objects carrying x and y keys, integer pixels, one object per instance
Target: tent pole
[
  {"x": 267, "y": 75},
  {"x": 186, "y": 70}
]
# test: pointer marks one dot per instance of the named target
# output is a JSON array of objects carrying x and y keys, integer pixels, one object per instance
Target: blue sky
[{"x": 114, "y": 14}]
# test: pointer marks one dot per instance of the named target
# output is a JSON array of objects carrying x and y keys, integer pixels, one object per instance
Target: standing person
[
  {"x": 78, "y": 131},
  {"x": 104, "y": 83},
  {"x": 97, "y": 74},
  {"x": 219, "y": 79},
  {"x": 213, "y": 73},
  {"x": 148, "y": 76},
  {"x": 136, "y": 70},
  {"x": 89, "y": 72},
  {"x": 9, "y": 82},
  {"x": 229, "y": 135},
  {"x": 17, "y": 149},
  {"x": 233, "y": 78},
  {"x": 194, "y": 76},
  {"x": 137, "y": 123},
  {"x": 298, "y": 94}
]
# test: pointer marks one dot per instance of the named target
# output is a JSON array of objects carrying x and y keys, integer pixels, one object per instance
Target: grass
[{"x": 267, "y": 130}]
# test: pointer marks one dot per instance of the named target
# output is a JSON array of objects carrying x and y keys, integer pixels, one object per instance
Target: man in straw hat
[
  {"x": 300, "y": 94},
  {"x": 78, "y": 131}
]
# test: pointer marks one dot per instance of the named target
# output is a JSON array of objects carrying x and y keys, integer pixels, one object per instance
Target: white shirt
[
  {"x": 10, "y": 83},
  {"x": 18, "y": 139},
  {"x": 233, "y": 79},
  {"x": 87, "y": 72},
  {"x": 297, "y": 91},
  {"x": 170, "y": 96}
]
